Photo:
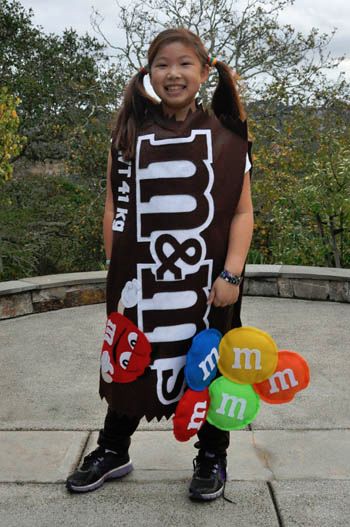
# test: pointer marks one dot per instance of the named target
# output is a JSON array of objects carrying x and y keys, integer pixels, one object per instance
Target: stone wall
[
  {"x": 291, "y": 281},
  {"x": 45, "y": 293}
]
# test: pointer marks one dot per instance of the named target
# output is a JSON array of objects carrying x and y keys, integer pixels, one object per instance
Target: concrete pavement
[{"x": 292, "y": 468}]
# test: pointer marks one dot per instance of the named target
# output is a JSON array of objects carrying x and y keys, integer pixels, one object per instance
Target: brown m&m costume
[{"x": 173, "y": 209}]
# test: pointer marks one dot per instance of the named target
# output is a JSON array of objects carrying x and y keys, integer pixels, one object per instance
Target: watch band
[{"x": 230, "y": 278}]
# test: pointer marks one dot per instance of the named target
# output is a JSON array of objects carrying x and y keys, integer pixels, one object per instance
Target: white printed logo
[
  {"x": 177, "y": 254},
  {"x": 169, "y": 389},
  {"x": 122, "y": 196}
]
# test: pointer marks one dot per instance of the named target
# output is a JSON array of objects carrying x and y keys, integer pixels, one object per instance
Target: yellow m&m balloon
[{"x": 247, "y": 355}]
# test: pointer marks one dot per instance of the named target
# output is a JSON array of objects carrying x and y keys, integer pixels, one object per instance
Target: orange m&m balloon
[{"x": 291, "y": 376}]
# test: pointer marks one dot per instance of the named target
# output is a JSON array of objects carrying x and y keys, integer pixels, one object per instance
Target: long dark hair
[{"x": 137, "y": 102}]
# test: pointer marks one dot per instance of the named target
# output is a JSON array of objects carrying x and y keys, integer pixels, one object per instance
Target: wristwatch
[{"x": 233, "y": 279}]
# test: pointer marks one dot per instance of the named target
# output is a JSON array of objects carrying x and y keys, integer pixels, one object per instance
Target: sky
[{"x": 55, "y": 16}]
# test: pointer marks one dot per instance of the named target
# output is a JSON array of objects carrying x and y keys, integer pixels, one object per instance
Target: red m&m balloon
[{"x": 190, "y": 414}]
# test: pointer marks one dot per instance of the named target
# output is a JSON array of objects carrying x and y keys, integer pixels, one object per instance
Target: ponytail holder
[
  {"x": 212, "y": 60},
  {"x": 144, "y": 70}
]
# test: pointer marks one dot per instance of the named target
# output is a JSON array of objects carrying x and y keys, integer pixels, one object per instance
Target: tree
[
  {"x": 62, "y": 81},
  {"x": 288, "y": 148},
  {"x": 88, "y": 141},
  {"x": 67, "y": 89},
  {"x": 325, "y": 196},
  {"x": 249, "y": 38},
  {"x": 11, "y": 143}
]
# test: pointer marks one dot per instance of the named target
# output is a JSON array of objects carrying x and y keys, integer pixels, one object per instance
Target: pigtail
[
  {"x": 131, "y": 115},
  {"x": 226, "y": 102}
]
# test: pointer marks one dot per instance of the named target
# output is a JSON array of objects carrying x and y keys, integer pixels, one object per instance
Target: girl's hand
[{"x": 223, "y": 294}]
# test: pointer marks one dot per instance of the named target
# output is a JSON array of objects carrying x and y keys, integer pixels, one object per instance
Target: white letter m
[
  {"x": 247, "y": 356},
  {"x": 281, "y": 375},
  {"x": 208, "y": 364},
  {"x": 234, "y": 402}
]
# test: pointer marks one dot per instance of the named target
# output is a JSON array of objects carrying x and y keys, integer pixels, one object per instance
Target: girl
[{"x": 177, "y": 227}]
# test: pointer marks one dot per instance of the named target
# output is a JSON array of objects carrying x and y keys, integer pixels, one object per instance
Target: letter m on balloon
[
  {"x": 209, "y": 363},
  {"x": 233, "y": 403},
  {"x": 198, "y": 415},
  {"x": 247, "y": 353},
  {"x": 282, "y": 377}
]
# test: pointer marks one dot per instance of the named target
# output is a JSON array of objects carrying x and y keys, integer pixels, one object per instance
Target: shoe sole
[
  {"x": 205, "y": 497},
  {"x": 116, "y": 473}
]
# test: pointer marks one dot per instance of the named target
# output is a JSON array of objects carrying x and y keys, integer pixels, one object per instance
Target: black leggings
[{"x": 118, "y": 430}]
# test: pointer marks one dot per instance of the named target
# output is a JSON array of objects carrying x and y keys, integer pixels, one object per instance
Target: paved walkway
[{"x": 291, "y": 469}]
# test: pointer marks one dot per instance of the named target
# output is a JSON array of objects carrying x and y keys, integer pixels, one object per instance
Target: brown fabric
[{"x": 174, "y": 205}]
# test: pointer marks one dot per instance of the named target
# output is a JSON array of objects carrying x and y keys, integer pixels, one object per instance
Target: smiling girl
[{"x": 177, "y": 227}]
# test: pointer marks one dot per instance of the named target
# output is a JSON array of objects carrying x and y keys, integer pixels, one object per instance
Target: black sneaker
[
  {"x": 209, "y": 476},
  {"x": 98, "y": 466}
]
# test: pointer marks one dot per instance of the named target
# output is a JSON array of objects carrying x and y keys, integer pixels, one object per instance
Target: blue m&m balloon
[{"x": 202, "y": 358}]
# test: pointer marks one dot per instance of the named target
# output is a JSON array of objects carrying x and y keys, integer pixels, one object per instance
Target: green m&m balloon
[{"x": 232, "y": 406}]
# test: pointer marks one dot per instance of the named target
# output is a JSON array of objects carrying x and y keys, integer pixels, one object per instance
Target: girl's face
[{"x": 176, "y": 75}]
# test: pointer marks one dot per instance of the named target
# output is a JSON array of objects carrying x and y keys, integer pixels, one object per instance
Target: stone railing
[{"x": 45, "y": 293}]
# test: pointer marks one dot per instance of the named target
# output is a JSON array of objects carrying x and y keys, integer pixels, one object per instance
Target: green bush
[{"x": 50, "y": 225}]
